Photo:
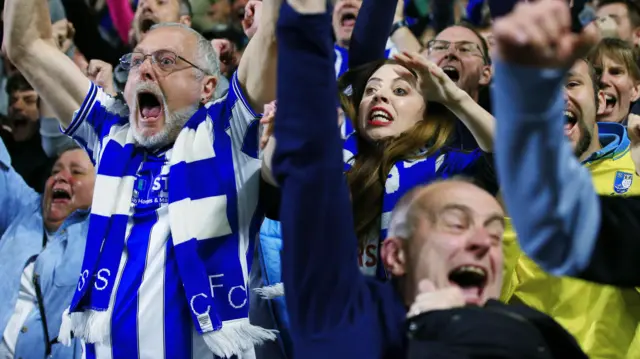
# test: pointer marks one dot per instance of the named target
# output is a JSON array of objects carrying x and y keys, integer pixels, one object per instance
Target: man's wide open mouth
[{"x": 149, "y": 105}]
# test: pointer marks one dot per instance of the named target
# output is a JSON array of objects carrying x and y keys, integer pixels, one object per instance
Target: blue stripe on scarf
[
  {"x": 175, "y": 326},
  {"x": 137, "y": 247},
  {"x": 205, "y": 187}
]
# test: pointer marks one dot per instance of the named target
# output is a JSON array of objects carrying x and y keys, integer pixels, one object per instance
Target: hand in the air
[
  {"x": 429, "y": 298},
  {"x": 539, "y": 34},
  {"x": 252, "y": 14},
  {"x": 226, "y": 51},
  {"x": 63, "y": 32},
  {"x": 435, "y": 84},
  {"x": 101, "y": 73}
]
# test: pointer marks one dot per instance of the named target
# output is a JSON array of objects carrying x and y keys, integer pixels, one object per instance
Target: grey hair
[
  {"x": 68, "y": 146},
  {"x": 400, "y": 225},
  {"x": 404, "y": 216},
  {"x": 206, "y": 56}
]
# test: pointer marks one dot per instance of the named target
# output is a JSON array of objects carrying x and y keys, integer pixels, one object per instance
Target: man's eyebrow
[{"x": 455, "y": 206}]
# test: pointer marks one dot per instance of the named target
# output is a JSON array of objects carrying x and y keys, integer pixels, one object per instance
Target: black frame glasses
[
  {"x": 457, "y": 45},
  {"x": 166, "y": 60}
]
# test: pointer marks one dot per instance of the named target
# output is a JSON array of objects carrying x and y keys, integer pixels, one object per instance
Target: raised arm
[
  {"x": 438, "y": 87},
  {"x": 371, "y": 31},
  {"x": 548, "y": 194},
  {"x": 479, "y": 121},
  {"x": 29, "y": 44},
  {"x": 324, "y": 288},
  {"x": 257, "y": 69}
]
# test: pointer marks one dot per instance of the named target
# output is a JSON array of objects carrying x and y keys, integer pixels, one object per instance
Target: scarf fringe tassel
[
  {"x": 66, "y": 327},
  {"x": 235, "y": 337}
]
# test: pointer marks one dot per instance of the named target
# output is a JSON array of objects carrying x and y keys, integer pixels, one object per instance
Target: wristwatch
[{"x": 398, "y": 24}]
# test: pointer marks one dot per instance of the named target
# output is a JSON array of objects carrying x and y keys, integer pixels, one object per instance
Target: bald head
[{"x": 423, "y": 202}]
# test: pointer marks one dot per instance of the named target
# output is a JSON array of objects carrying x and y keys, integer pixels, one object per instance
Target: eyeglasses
[
  {"x": 464, "y": 48},
  {"x": 165, "y": 60}
]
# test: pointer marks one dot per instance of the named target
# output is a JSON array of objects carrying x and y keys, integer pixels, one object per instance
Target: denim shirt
[{"x": 58, "y": 264}]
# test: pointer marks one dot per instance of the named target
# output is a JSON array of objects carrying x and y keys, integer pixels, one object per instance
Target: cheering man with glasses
[
  {"x": 172, "y": 224},
  {"x": 463, "y": 54}
]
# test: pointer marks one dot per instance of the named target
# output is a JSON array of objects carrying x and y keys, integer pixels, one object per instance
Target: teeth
[
  {"x": 472, "y": 269},
  {"x": 608, "y": 97},
  {"x": 568, "y": 114},
  {"x": 381, "y": 115},
  {"x": 449, "y": 68}
]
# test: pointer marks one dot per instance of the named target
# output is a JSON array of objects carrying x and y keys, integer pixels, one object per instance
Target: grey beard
[{"x": 174, "y": 122}]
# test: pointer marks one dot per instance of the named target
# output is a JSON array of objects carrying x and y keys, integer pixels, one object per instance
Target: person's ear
[
  {"x": 208, "y": 88},
  {"x": 393, "y": 256},
  {"x": 485, "y": 76}
]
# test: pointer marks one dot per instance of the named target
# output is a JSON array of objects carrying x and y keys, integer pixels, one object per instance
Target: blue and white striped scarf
[{"x": 201, "y": 180}]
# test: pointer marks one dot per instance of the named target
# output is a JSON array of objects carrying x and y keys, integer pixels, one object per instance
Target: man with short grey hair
[{"x": 165, "y": 269}]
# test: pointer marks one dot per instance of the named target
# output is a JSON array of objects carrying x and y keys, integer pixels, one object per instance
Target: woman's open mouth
[{"x": 379, "y": 117}]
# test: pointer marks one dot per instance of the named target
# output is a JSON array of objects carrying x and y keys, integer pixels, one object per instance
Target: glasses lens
[{"x": 166, "y": 60}]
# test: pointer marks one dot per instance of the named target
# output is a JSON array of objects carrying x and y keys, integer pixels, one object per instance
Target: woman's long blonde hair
[{"x": 373, "y": 161}]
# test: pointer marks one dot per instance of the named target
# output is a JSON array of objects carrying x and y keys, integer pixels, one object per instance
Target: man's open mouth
[
  {"x": 18, "y": 122},
  {"x": 60, "y": 195},
  {"x": 570, "y": 118},
  {"x": 610, "y": 101},
  {"x": 471, "y": 279},
  {"x": 452, "y": 72},
  {"x": 146, "y": 24},
  {"x": 149, "y": 106},
  {"x": 348, "y": 18}
]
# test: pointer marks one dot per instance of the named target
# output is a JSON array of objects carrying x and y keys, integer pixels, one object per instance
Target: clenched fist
[
  {"x": 227, "y": 55},
  {"x": 101, "y": 73},
  {"x": 252, "y": 14},
  {"x": 539, "y": 34}
]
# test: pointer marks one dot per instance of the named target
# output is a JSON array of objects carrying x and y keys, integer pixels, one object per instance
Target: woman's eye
[{"x": 400, "y": 92}]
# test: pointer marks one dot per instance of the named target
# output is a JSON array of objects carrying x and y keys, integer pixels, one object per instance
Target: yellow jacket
[{"x": 603, "y": 319}]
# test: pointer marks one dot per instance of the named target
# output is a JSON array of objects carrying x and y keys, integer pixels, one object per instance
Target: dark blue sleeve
[
  {"x": 371, "y": 32},
  {"x": 500, "y": 8},
  {"x": 326, "y": 295}
]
